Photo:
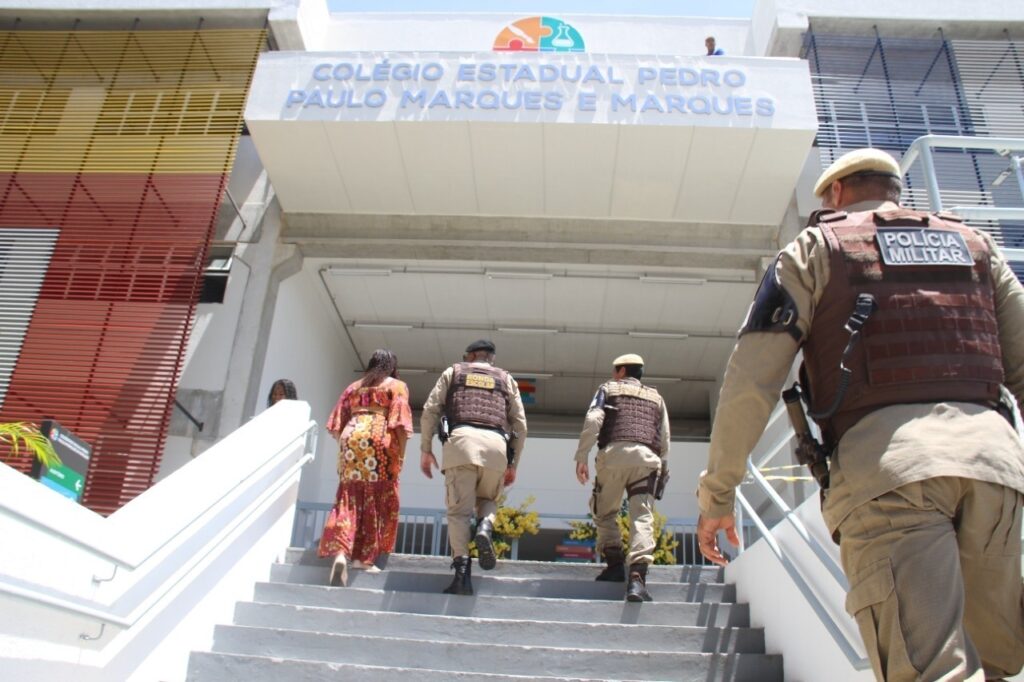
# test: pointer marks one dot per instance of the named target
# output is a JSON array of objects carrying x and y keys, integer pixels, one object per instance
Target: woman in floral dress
[{"x": 372, "y": 422}]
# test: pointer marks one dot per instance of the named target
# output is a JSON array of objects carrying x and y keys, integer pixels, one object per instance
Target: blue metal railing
[{"x": 425, "y": 531}]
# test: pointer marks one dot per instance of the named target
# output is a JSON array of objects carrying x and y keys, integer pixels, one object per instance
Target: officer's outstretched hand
[
  {"x": 427, "y": 460},
  {"x": 707, "y": 537},
  {"x": 510, "y": 476},
  {"x": 582, "y": 472}
]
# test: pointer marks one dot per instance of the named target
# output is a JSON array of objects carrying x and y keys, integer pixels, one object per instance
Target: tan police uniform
[
  {"x": 473, "y": 459},
  {"x": 619, "y": 464},
  {"x": 926, "y": 496}
]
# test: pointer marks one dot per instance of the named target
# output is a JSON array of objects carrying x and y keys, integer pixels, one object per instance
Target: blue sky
[{"x": 691, "y": 8}]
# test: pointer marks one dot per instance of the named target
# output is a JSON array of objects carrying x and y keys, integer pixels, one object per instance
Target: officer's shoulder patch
[
  {"x": 946, "y": 215},
  {"x": 773, "y": 309},
  {"x": 826, "y": 215},
  {"x": 598, "y": 400}
]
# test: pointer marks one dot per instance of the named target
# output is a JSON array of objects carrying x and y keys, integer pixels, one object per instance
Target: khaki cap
[
  {"x": 628, "y": 359},
  {"x": 866, "y": 160}
]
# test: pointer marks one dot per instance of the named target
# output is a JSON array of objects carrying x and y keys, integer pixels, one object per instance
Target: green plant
[
  {"x": 511, "y": 523},
  {"x": 16, "y": 435},
  {"x": 664, "y": 541}
]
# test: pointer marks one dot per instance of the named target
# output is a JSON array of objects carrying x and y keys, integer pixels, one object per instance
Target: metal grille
[
  {"x": 122, "y": 141},
  {"x": 425, "y": 531},
  {"x": 992, "y": 85},
  {"x": 24, "y": 258},
  {"x": 886, "y": 92}
]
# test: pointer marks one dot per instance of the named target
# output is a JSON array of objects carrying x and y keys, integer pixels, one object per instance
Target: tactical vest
[
  {"x": 478, "y": 395},
  {"x": 934, "y": 335},
  {"x": 632, "y": 413}
]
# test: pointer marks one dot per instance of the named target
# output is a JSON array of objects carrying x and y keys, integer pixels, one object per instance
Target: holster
[
  {"x": 443, "y": 432},
  {"x": 659, "y": 486}
]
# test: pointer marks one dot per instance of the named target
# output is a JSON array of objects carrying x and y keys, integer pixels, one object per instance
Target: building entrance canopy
[{"x": 690, "y": 139}]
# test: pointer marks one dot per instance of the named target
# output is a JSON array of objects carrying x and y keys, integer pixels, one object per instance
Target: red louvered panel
[
  {"x": 121, "y": 140},
  {"x": 104, "y": 348}
]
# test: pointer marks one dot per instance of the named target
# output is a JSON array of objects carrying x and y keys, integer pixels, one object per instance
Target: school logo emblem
[{"x": 539, "y": 34}]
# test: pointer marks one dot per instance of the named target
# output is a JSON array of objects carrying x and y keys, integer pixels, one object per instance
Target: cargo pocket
[
  {"x": 874, "y": 605},
  {"x": 450, "y": 498}
]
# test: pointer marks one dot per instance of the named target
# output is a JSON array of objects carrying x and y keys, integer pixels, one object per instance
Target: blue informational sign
[{"x": 68, "y": 479}]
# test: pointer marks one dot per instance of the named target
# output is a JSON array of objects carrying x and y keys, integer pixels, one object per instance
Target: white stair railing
[
  {"x": 128, "y": 596},
  {"x": 783, "y": 441}
]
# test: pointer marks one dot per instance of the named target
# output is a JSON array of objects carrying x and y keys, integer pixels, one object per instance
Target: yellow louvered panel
[{"x": 117, "y": 101}]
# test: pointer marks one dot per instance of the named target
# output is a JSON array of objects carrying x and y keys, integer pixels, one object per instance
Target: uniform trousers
[
  {"x": 935, "y": 580},
  {"x": 470, "y": 488},
  {"x": 609, "y": 485}
]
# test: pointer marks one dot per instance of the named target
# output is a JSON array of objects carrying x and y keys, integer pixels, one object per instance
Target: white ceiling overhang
[
  {"x": 557, "y": 328},
  {"x": 662, "y": 138}
]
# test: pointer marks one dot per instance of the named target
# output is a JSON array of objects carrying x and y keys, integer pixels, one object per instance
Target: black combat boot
[
  {"x": 615, "y": 569},
  {"x": 461, "y": 583},
  {"x": 484, "y": 545},
  {"x": 637, "y": 588}
]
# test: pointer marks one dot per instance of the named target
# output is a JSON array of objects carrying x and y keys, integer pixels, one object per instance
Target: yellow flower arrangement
[
  {"x": 511, "y": 523},
  {"x": 665, "y": 542}
]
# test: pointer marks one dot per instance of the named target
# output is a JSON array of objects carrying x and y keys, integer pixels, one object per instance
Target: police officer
[
  {"x": 926, "y": 475},
  {"x": 629, "y": 423},
  {"x": 483, "y": 436}
]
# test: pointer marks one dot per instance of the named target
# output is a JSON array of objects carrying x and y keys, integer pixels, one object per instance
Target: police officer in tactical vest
[
  {"x": 629, "y": 423},
  {"x": 908, "y": 322},
  {"x": 478, "y": 415}
]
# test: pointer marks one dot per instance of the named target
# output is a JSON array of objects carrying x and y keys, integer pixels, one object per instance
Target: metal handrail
[
  {"x": 842, "y": 641},
  {"x": 923, "y": 147},
  {"x": 743, "y": 506},
  {"x": 787, "y": 513},
  {"x": 782, "y": 442},
  {"x": 108, "y": 615}
]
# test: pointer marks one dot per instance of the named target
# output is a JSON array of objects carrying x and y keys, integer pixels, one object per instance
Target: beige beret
[
  {"x": 858, "y": 161},
  {"x": 628, "y": 359}
]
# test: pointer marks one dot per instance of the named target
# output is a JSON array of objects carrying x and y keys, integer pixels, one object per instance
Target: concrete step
[
  {"x": 520, "y": 569},
  {"x": 490, "y": 583},
  {"x": 207, "y": 666},
  {"x": 598, "y": 636},
  {"x": 492, "y": 657},
  {"x": 498, "y": 607}
]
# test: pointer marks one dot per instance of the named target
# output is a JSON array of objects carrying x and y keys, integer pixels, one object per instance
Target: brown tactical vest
[
  {"x": 632, "y": 413},
  {"x": 478, "y": 395},
  {"x": 934, "y": 335}
]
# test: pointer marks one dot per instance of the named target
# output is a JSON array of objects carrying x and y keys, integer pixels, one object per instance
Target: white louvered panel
[
  {"x": 885, "y": 92},
  {"x": 24, "y": 258},
  {"x": 992, "y": 77}
]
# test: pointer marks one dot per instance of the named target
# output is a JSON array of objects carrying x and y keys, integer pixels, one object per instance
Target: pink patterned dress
[{"x": 369, "y": 425}]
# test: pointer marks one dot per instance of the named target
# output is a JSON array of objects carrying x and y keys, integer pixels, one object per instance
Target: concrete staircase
[{"x": 527, "y": 620}]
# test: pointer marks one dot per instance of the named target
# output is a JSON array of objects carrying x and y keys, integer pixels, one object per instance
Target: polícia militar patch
[{"x": 923, "y": 246}]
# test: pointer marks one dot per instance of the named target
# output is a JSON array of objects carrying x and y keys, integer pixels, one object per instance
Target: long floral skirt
[{"x": 364, "y": 521}]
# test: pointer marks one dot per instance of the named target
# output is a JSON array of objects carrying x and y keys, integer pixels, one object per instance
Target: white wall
[
  {"x": 307, "y": 346},
  {"x": 547, "y": 471},
  {"x": 206, "y": 362},
  {"x": 476, "y": 32}
]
